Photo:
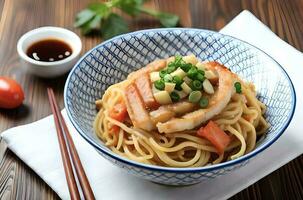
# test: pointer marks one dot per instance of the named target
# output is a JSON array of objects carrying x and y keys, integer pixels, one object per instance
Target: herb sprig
[{"x": 100, "y": 17}]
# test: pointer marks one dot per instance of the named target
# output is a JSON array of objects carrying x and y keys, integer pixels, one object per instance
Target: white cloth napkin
[{"x": 36, "y": 143}]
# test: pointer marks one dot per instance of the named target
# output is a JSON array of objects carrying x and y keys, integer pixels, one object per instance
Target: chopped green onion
[
  {"x": 171, "y": 68},
  {"x": 160, "y": 85},
  {"x": 194, "y": 96},
  {"x": 196, "y": 85},
  {"x": 174, "y": 96},
  {"x": 178, "y": 80},
  {"x": 200, "y": 77},
  {"x": 162, "y": 73},
  {"x": 186, "y": 67},
  {"x": 178, "y": 87},
  {"x": 238, "y": 87},
  {"x": 203, "y": 102},
  {"x": 171, "y": 64},
  {"x": 192, "y": 72},
  {"x": 201, "y": 72},
  {"x": 168, "y": 78},
  {"x": 178, "y": 58}
]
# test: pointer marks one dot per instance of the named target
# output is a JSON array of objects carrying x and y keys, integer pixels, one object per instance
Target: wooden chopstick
[
  {"x": 69, "y": 174},
  {"x": 85, "y": 186}
]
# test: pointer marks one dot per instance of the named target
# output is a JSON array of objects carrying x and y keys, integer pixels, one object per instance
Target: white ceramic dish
[{"x": 49, "y": 69}]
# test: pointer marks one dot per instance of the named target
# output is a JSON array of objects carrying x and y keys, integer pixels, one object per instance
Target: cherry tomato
[
  {"x": 11, "y": 93},
  {"x": 119, "y": 112}
]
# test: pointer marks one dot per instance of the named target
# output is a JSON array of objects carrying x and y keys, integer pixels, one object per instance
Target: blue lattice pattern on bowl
[{"x": 111, "y": 62}]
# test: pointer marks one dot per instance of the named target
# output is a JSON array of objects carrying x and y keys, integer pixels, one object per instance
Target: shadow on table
[
  {"x": 16, "y": 113},
  {"x": 56, "y": 83}
]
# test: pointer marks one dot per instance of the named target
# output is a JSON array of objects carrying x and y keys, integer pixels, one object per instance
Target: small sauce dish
[{"x": 53, "y": 67}]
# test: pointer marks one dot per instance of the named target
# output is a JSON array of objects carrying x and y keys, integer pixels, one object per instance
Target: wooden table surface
[{"x": 17, "y": 181}]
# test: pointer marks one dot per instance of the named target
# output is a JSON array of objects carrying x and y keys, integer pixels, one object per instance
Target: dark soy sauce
[{"x": 49, "y": 50}]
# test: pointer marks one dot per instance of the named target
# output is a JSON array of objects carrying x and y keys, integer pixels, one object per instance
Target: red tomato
[
  {"x": 114, "y": 129},
  {"x": 11, "y": 93},
  {"x": 119, "y": 113},
  {"x": 215, "y": 135}
]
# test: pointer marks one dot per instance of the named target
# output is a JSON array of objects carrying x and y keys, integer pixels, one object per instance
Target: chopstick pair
[{"x": 67, "y": 148}]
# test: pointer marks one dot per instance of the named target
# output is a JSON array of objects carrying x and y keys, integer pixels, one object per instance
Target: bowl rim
[{"x": 208, "y": 168}]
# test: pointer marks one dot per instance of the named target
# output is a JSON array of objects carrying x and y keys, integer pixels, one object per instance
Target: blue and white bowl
[{"x": 112, "y": 60}]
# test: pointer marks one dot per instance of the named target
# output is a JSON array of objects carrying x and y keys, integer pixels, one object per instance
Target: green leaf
[
  {"x": 100, "y": 8},
  {"x": 91, "y": 18},
  {"x": 167, "y": 19},
  {"x": 93, "y": 24},
  {"x": 131, "y": 7},
  {"x": 113, "y": 25},
  {"x": 85, "y": 29},
  {"x": 83, "y": 17}
]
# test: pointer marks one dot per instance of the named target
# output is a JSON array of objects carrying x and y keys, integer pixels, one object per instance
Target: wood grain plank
[{"x": 279, "y": 15}]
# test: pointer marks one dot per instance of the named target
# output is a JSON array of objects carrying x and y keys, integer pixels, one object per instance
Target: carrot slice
[
  {"x": 215, "y": 135},
  {"x": 114, "y": 129},
  {"x": 119, "y": 113}
]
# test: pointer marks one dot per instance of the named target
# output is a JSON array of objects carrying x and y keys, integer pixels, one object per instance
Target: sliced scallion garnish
[
  {"x": 194, "y": 96},
  {"x": 196, "y": 85},
  {"x": 160, "y": 85},
  {"x": 162, "y": 73},
  {"x": 174, "y": 96},
  {"x": 203, "y": 102},
  {"x": 192, "y": 72},
  {"x": 238, "y": 87},
  {"x": 167, "y": 78},
  {"x": 178, "y": 80}
]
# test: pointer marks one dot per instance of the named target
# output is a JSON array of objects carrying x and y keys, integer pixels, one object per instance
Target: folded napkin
[{"x": 36, "y": 143}]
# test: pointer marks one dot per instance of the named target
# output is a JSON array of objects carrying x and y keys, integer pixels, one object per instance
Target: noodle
[{"x": 242, "y": 119}]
